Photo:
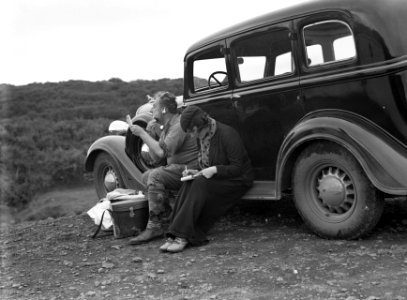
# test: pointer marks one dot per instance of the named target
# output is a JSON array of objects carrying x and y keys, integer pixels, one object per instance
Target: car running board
[{"x": 262, "y": 190}]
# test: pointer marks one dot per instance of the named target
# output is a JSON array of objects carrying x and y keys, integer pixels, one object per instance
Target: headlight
[{"x": 118, "y": 127}]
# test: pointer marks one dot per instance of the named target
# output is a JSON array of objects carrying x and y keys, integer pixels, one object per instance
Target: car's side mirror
[{"x": 118, "y": 127}]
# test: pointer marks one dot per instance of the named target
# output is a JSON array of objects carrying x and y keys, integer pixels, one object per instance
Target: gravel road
[{"x": 261, "y": 250}]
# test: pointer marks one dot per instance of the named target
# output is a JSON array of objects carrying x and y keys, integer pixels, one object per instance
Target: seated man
[{"x": 174, "y": 145}]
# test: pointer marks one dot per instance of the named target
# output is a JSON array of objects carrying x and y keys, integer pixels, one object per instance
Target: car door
[{"x": 266, "y": 96}]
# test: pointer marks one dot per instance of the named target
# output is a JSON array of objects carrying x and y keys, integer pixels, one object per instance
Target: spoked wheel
[
  {"x": 335, "y": 190},
  {"x": 333, "y": 194},
  {"x": 106, "y": 175}
]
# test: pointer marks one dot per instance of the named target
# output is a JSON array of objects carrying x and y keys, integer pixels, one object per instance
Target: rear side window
[
  {"x": 262, "y": 55},
  {"x": 328, "y": 42}
]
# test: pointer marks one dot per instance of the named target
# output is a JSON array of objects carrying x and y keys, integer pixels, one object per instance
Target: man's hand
[
  {"x": 155, "y": 150},
  {"x": 135, "y": 129},
  {"x": 209, "y": 172},
  {"x": 128, "y": 120}
]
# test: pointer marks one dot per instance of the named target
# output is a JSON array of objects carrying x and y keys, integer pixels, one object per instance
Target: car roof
[{"x": 372, "y": 7}]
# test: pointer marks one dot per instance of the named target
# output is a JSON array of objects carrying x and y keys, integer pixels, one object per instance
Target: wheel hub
[
  {"x": 110, "y": 181},
  {"x": 145, "y": 155},
  {"x": 331, "y": 190},
  {"x": 335, "y": 190}
]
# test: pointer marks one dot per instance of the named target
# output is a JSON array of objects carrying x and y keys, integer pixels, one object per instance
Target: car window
[
  {"x": 209, "y": 70},
  {"x": 344, "y": 48},
  {"x": 252, "y": 67},
  {"x": 314, "y": 55},
  {"x": 328, "y": 42},
  {"x": 284, "y": 64},
  {"x": 262, "y": 55}
]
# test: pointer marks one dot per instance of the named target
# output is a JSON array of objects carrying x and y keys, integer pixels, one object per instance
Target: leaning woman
[{"x": 224, "y": 176}]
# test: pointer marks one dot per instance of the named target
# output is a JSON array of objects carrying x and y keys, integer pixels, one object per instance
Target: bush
[{"x": 46, "y": 129}]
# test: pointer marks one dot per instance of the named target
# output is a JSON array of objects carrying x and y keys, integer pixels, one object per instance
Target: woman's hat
[{"x": 192, "y": 116}]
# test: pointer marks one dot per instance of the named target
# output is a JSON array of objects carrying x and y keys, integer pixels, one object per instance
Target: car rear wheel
[
  {"x": 106, "y": 175},
  {"x": 333, "y": 194}
]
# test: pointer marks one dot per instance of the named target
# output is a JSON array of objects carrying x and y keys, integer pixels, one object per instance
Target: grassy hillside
[{"x": 46, "y": 129}]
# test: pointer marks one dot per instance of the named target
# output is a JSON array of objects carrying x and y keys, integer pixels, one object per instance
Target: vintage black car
[{"x": 318, "y": 94}]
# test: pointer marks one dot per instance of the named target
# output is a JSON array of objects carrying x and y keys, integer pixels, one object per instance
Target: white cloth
[
  {"x": 124, "y": 194},
  {"x": 96, "y": 212}
]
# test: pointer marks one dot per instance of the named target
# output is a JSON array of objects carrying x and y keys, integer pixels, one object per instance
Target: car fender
[
  {"x": 381, "y": 156},
  {"x": 115, "y": 146}
]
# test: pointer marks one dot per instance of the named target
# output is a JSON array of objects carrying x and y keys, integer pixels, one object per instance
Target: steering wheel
[{"x": 212, "y": 76}]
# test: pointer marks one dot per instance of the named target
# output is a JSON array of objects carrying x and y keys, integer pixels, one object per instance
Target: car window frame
[
  {"x": 221, "y": 44},
  {"x": 329, "y": 64},
  {"x": 288, "y": 24}
]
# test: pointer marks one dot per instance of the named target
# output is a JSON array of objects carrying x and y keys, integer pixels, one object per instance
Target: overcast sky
[{"x": 59, "y": 40}]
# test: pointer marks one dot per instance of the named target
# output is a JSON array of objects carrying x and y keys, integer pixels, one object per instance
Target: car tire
[
  {"x": 332, "y": 193},
  {"x": 134, "y": 149},
  {"x": 106, "y": 175}
]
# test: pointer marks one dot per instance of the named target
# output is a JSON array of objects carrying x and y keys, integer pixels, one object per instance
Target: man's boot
[
  {"x": 154, "y": 226},
  {"x": 152, "y": 231}
]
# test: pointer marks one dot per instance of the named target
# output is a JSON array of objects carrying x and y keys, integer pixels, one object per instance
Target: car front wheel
[
  {"x": 106, "y": 175},
  {"x": 333, "y": 194}
]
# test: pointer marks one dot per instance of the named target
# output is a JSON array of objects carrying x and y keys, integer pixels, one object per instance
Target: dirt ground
[{"x": 261, "y": 250}]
